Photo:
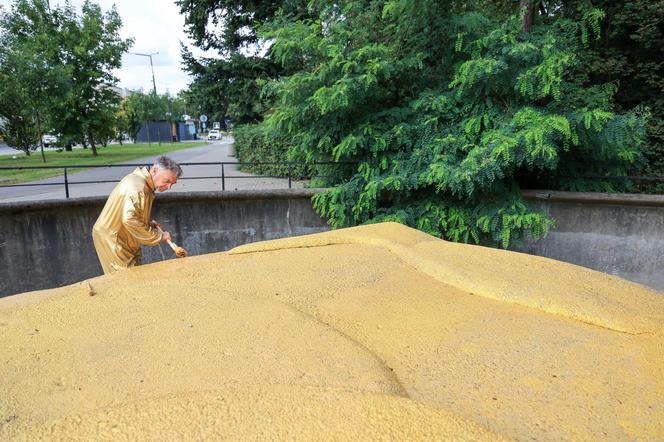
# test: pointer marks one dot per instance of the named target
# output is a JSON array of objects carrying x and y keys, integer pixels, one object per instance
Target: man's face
[{"x": 163, "y": 179}]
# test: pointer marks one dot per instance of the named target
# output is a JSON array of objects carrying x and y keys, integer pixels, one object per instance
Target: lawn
[{"x": 112, "y": 154}]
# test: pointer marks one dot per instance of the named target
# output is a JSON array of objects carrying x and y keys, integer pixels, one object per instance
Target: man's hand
[{"x": 165, "y": 236}]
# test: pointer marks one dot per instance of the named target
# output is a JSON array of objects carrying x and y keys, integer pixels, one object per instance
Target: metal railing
[
  {"x": 288, "y": 165},
  {"x": 66, "y": 182}
]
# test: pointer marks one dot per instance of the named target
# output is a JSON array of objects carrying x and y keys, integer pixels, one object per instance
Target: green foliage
[
  {"x": 139, "y": 108},
  {"x": 56, "y": 71},
  {"x": 29, "y": 85},
  {"x": 623, "y": 50},
  {"x": 130, "y": 115},
  {"x": 230, "y": 25},
  {"x": 253, "y": 144},
  {"x": 444, "y": 110},
  {"x": 628, "y": 53},
  {"x": 91, "y": 47},
  {"x": 228, "y": 88}
]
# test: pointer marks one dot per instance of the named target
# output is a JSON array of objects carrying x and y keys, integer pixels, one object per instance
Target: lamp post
[{"x": 154, "y": 84}]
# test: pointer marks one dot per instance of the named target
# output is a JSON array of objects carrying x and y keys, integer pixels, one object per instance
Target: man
[{"x": 123, "y": 225}]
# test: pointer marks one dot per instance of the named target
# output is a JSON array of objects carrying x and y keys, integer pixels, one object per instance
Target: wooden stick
[
  {"x": 170, "y": 243},
  {"x": 180, "y": 252}
]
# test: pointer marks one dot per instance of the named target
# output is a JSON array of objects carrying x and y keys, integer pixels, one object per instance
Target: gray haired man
[{"x": 124, "y": 223}]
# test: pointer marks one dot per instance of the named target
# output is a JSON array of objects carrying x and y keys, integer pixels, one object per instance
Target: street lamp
[{"x": 154, "y": 84}]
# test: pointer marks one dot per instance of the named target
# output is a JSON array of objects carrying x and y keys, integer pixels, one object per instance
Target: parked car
[
  {"x": 49, "y": 140},
  {"x": 214, "y": 135}
]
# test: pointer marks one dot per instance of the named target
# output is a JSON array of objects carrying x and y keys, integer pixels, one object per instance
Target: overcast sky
[{"x": 156, "y": 26}]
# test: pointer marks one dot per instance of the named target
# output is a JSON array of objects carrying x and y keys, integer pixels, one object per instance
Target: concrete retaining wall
[
  {"x": 619, "y": 234},
  {"x": 48, "y": 244}
]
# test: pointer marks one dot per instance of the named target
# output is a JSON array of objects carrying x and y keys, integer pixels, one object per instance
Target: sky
[{"x": 156, "y": 26}]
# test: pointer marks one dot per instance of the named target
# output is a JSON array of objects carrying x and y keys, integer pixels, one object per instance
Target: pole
[
  {"x": 154, "y": 84},
  {"x": 66, "y": 185}
]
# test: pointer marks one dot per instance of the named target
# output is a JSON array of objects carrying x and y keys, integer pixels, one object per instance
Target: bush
[
  {"x": 444, "y": 111},
  {"x": 253, "y": 144}
]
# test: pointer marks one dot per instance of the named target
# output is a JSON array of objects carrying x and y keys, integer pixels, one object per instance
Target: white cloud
[{"x": 155, "y": 26}]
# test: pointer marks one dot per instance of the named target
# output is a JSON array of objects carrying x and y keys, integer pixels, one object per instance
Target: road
[
  {"x": 218, "y": 151},
  {"x": 6, "y": 150}
]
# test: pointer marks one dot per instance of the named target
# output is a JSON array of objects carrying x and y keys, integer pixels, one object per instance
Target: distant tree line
[{"x": 138, "y": 109}]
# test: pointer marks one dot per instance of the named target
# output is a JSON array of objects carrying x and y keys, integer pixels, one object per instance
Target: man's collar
[{"x": 145, "y": 172}]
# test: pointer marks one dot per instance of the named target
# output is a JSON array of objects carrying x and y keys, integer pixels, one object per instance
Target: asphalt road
[
  {"x": 218, "y": 151},
  {"x": 5, "y": 150}
]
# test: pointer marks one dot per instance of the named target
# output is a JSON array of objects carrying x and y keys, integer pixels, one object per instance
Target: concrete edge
[
  {"x": 22, "y": 206},
  {"x": 533, "y": 195},
  {"x": 619, "y": 199}
]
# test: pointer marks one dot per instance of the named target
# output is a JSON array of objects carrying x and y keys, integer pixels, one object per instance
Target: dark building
[
  {"x": 155, "y": 131},
  {"x": 165, "y": 132}
]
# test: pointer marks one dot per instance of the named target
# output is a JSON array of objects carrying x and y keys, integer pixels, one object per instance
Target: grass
[{"x": 112, "y": 154}]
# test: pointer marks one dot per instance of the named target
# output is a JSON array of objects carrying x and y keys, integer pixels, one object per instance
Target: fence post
[
  {"x": 66, "y": 185},
  {"x": 289, "y": 174},
  {"x": 223, "y": 178}
]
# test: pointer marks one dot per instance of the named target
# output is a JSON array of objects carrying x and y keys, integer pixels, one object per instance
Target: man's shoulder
[{"x": 133, "y": 183}]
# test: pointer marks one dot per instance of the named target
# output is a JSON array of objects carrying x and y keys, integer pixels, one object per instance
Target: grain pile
[{"x": 374, "y": 331}]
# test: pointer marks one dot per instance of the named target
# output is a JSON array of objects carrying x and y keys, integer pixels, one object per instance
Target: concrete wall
[
  {"x": 618, "y": 234},
  {"x": 48, "y": 244}
]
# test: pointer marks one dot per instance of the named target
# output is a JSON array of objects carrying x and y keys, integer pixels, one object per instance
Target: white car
[
  {"x": 214, "y": 134},
  {"x": 49, "y": 140}
]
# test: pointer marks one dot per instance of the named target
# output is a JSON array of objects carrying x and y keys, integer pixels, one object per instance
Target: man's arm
[{"x": 132, "y": 219}]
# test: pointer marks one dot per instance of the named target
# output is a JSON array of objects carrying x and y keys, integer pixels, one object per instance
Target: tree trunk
[
  {"x": 529, "y": 7},
  {"x": 92, "y": 145},
  {"x": 41, "y": 138}
]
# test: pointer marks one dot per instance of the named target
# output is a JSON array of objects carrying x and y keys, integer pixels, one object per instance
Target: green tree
[
  {"x": 20, "y": 127},
  {"x": 91, "y": 46},
  {"x": 138, "y": 109},
  {"x": 230, "y": 86},
  {"x": 625, "y": 53},
  {"x": 629, "y": 54},
  {"x": 131, "y": 114},
  {"x": 444, "y": 109},
  {"x": 179, "y": 105},
  {"x": 56, "y": 72},
  {"x": 30, "y": 84},
  {"x": 229, "y": 26}
]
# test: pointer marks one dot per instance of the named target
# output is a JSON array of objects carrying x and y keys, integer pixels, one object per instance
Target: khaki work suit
[{"x": 123, "y": 224}]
